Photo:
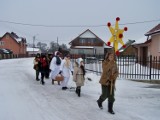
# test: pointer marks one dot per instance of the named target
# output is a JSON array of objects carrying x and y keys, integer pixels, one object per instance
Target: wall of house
[
  {"x": 99, "y": 50},
  {"x": 81, "y": 51},
  {"x": 10, "y": 43},
  {"x": 155, "y": 45},
  {"x": 22, "y": 48},
  {"x": 95, "y": 50}
]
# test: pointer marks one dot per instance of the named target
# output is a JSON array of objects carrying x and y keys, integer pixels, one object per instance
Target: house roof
[
  {"x": 14, "y": 37},
  {"x": 141, "y": 40},
  {"x": 128, "y": 43},
  {"x": 154, "y": 30},
  {"x": 85, "y": 32}
]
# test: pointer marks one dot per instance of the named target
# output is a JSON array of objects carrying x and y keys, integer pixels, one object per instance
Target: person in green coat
[{"x": 108, "y": 80}]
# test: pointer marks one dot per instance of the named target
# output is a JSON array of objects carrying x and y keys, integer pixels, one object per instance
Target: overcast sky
[{"x": 76, "y": 13}]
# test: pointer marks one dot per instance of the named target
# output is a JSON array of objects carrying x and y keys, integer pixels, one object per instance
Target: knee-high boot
[
  {"x": 99, "y": 102},
  {"x": 110, "y": 107}
]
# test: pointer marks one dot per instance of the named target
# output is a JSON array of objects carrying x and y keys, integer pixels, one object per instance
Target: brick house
[
  {"x": 14, "y": 43},
  {"x": 88, "y": 43}
]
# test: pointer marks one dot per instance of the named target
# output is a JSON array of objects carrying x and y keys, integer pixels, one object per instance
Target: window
[
  {"x": 92, "y": 40},
  {"x": 1, "y": 43},
  {"x": 82, "y": 40}
]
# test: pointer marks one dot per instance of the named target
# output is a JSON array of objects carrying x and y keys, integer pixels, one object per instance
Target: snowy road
[{"x": 23, "y": 98}]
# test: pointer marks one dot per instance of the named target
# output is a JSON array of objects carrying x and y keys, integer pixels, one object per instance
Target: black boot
[
  {"x": 76, "y": 90},
  {"x": 110, "y": 107},
  {"x": 99, "y": 102},
  {"x": 52, "y": 81},
  {"x": 64, "y": 88},
  {"x": 42, "y": 82},
  {"x": 79, "y": 92}
]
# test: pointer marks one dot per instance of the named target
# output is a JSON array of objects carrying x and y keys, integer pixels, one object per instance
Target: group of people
[
  {"x": 63, "y": 66},
  {"x": 60, "y": 66}
]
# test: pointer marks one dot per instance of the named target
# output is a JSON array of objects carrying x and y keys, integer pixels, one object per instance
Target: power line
[{"x": 41, "y": 25}]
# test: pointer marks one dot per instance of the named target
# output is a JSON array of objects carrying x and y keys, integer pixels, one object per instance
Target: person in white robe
[
  {"x": 55, "y": 66},
  {"x": 66, "y": 69}
]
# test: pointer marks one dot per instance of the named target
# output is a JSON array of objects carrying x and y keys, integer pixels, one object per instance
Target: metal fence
[{"x": 130, "y": 67}]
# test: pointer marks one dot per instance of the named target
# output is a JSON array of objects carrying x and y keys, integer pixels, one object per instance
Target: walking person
[
  {"x": 65, "y": 69},
  {"x": 108, "y": 80},
  {"x": 78, "y": 75},
  {"x": 55, "y": 66},
  {"x": 36, "y": 67},
  {"x": 43, "y": 67}
]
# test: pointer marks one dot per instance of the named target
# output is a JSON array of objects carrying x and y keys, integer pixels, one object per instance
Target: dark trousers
[
  {"x": 106, "y": 94},
  {"x": 42, "y": 77},
  {"x": 37, "y": 74}
]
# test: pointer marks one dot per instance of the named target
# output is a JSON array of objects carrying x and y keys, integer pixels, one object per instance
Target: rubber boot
[
  {"x": 99, "y": 102},
  {"x": 110, "y": 107}
]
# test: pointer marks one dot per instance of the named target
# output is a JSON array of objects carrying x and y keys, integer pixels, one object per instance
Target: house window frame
[
  {"x": 1, "y": 43},
  {"x": 82, "y": 40}
]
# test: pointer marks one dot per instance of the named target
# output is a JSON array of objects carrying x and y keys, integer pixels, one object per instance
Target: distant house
[
  {"x": 33, "y": 51},
  {"x": 129, "y": 50},
  {"x": 150, "y": 44},
  {"x": 14, "y": 43},
  {"x": 88, "y": 43}
]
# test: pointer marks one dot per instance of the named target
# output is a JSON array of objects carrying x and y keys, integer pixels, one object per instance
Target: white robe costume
[
  {"x": 55, "y": 69},
  {"x": 66, "y": 71}
]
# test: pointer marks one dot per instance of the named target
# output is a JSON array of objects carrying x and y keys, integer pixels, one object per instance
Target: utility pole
[
  {"x": 34, "y": 37},
  {"x": 57, "y": 43}
]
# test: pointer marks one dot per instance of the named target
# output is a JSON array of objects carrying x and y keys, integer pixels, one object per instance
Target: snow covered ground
[{"x": 23, "y": 98}]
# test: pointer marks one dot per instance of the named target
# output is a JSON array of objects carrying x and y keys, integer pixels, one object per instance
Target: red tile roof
[{"x": 154, "y": 30}]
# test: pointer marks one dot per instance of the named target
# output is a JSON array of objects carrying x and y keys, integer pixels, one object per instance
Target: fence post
[{"x": 150, "y": 70}]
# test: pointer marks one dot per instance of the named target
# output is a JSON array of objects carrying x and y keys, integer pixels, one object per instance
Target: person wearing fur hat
[
  {"x": 108, "y": 80},
  {"x": 65, "y": 69},
  {"x": 55, "y": 66},
  {"x": 78, "y": 75}
]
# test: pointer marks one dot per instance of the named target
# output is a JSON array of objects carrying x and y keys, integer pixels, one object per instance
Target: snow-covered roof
[
  {"x": 154, "y": 30},
  {"x": 141, "y": 40},
  {"x": 18, "y": 39},
  {"x": 31, "y": 49}
]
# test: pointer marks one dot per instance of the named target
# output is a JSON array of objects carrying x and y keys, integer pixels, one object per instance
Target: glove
[
  {"x": 60, "y": 72},
  {"x": 72, "y": 72}
]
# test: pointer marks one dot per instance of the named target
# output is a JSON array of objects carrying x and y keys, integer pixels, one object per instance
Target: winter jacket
[
  {"x": 110, "y": 73},
  {"x": 78, "y": 75},
  {"x": 43, "y": 65},
  {"x": 36, "y": 63}
]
